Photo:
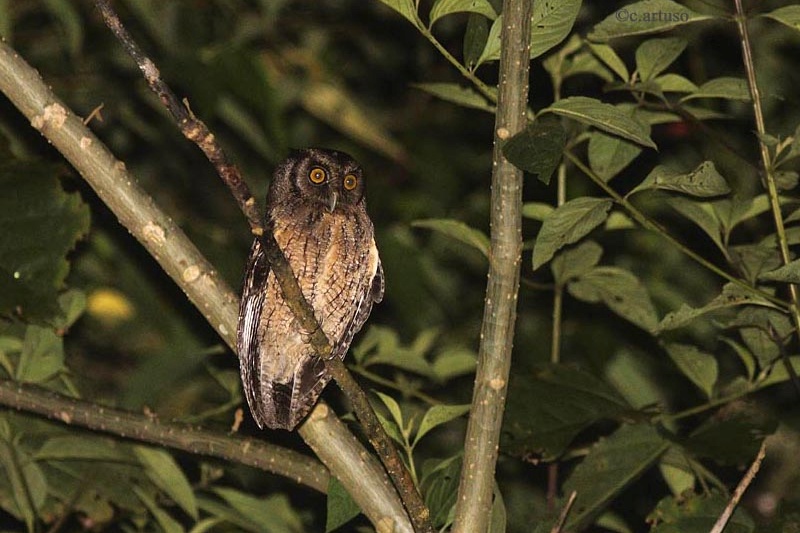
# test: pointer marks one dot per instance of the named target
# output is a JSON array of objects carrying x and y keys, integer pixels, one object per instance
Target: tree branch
[
  {"x": 251, "y": 452},
  {"x": 181, "y": 260},
  {"x": 500, "y": 308},
  {"x": 196, "y": 131}
]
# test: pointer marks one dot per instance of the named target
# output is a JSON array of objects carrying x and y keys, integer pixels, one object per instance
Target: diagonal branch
[
  {"x": 500, "y": 308},
  {"x": 187, "y": 267},
  {"x": 251, "y": 452},
  {"x": 196, "y": 131}
]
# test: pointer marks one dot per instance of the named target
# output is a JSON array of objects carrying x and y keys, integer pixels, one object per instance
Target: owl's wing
[
  {"x": 371, "y": 293},
  {"x": 247, "y": 342}
]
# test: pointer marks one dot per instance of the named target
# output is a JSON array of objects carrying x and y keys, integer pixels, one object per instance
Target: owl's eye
[
  {"x": 317, "y": 175},
  {"x": 350, "y": 182}
]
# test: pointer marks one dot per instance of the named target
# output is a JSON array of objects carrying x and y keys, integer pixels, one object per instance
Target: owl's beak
[{"x": 332, "y": 201}]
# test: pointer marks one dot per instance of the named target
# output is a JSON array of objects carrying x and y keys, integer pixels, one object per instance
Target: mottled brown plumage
[{"x": 317, "y": 211}]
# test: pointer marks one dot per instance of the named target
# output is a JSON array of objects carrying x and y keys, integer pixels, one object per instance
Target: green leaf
[
  {"x": 729, "y": 88},
  {"x": 453, "y": 362},
  {"x": 25, "y": 479},
  {"x": 475, "y": 37},
  {"x": 585, "y": 63},
  {"x": 655, "y": 55},
  {"x": 406, "y": 8},
  {"x": 609, "y": 155},
  {"x": 548, "y": 409},
  {"x": 80, "y": 447},
  {"x": 674, "y": 83},
  {"x": 618, "y": 220},
  {"x": 677, "y": 471},
  {"x": 551, "y": 22},
  {"x": 760, "y": 329},
  {"x": 165, "y": 473},
  {"x": 699, "y": 367},
  {"x": 538, "y": 148},
  {"x": 788, "y": 15},
  {"x": 697, "y": 513},
  {"x": 702, "y": 214},
  {"x": 748, "y": 359},
  {"x": 576, "y": 261},
  {"x": 491, "y": 52},
  {"x": 456, "y": 94},
  {"x": 603, "y": 116},
  {"x": 568, "y": 224},
  {"x": 40, "y": 223},
  {"x": 753, "y": 259},
  {"x": 734, "y": 435},
  {"x": 442, "y": 8},
  {"x": 439, "y": 487},
  {"x": 394, "y": 409},
  {"x": 621, "y": 291},
  {"x": 640, "y": 18},
  {"x": 438, "y": 415},
  {"x": 42, "y": 355},
  {"x": 732, "y": 295},
  {"x": 457, "y": 230},
  {"x": 612, "y": 464},
  {"x": 72, "y": 304},
  {"x": 165, "y": 521},
  {"x": 703, "y": 182},
  {"x": 788, "y": 273},
  {"x": 607, "y": 55},
  {"x": 341, "y": 506},
  {"x": 537, "y": 210},
  {"x": 273, "y": 514}
]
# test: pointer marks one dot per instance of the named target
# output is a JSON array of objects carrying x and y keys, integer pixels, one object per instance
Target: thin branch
[
  {"x": 769, "y": 174},
  {"x": 500, "y": 309},
  {"x": 196, "y": 131},
  {"x": 140, "y": 427},
  {"x": 181, "y": 260},
  {"x": 722, "y": 521},
  {"x": 562, "y": 518}
]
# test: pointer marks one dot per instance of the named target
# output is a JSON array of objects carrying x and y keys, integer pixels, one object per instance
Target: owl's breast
[{"x": 333, "y": 257}]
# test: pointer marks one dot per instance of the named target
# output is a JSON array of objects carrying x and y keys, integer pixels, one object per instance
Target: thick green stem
[{"x": 473, "y": 507}]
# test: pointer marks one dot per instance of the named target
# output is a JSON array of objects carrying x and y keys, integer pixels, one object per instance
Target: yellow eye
[
  {"x": 317, "y": 175},
  {"x": 350, "y": 182}
]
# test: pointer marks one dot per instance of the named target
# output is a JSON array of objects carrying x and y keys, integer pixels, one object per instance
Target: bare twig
[
  {"x": 169, "y": 246},
  {"x": 251, "y": 452},
  {"x": 722, "y": 521},
  {"x": 500, "y": 307},
  {"x": 562, "y": 518},
  {"x": 196, "y": 131}
]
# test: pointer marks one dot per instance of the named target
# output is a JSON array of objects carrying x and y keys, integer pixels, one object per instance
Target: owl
[{"x": 317, "y": 212}]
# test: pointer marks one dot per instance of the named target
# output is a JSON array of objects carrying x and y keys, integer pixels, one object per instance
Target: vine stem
[
  {"x": 646, "y": 222},
  {"x": 164, "y": 240},
  {"x": 769, "y": 175},
  {"x": 474, "y": 499},
  {"x": 722, "y": 521},
  {"x": 484, "y": 89}
]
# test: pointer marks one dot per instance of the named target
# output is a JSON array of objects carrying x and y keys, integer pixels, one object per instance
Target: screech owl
[{"x": 317, "y": 211}]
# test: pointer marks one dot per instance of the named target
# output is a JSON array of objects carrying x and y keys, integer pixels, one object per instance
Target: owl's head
[{"x": 329, "y": 179}]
